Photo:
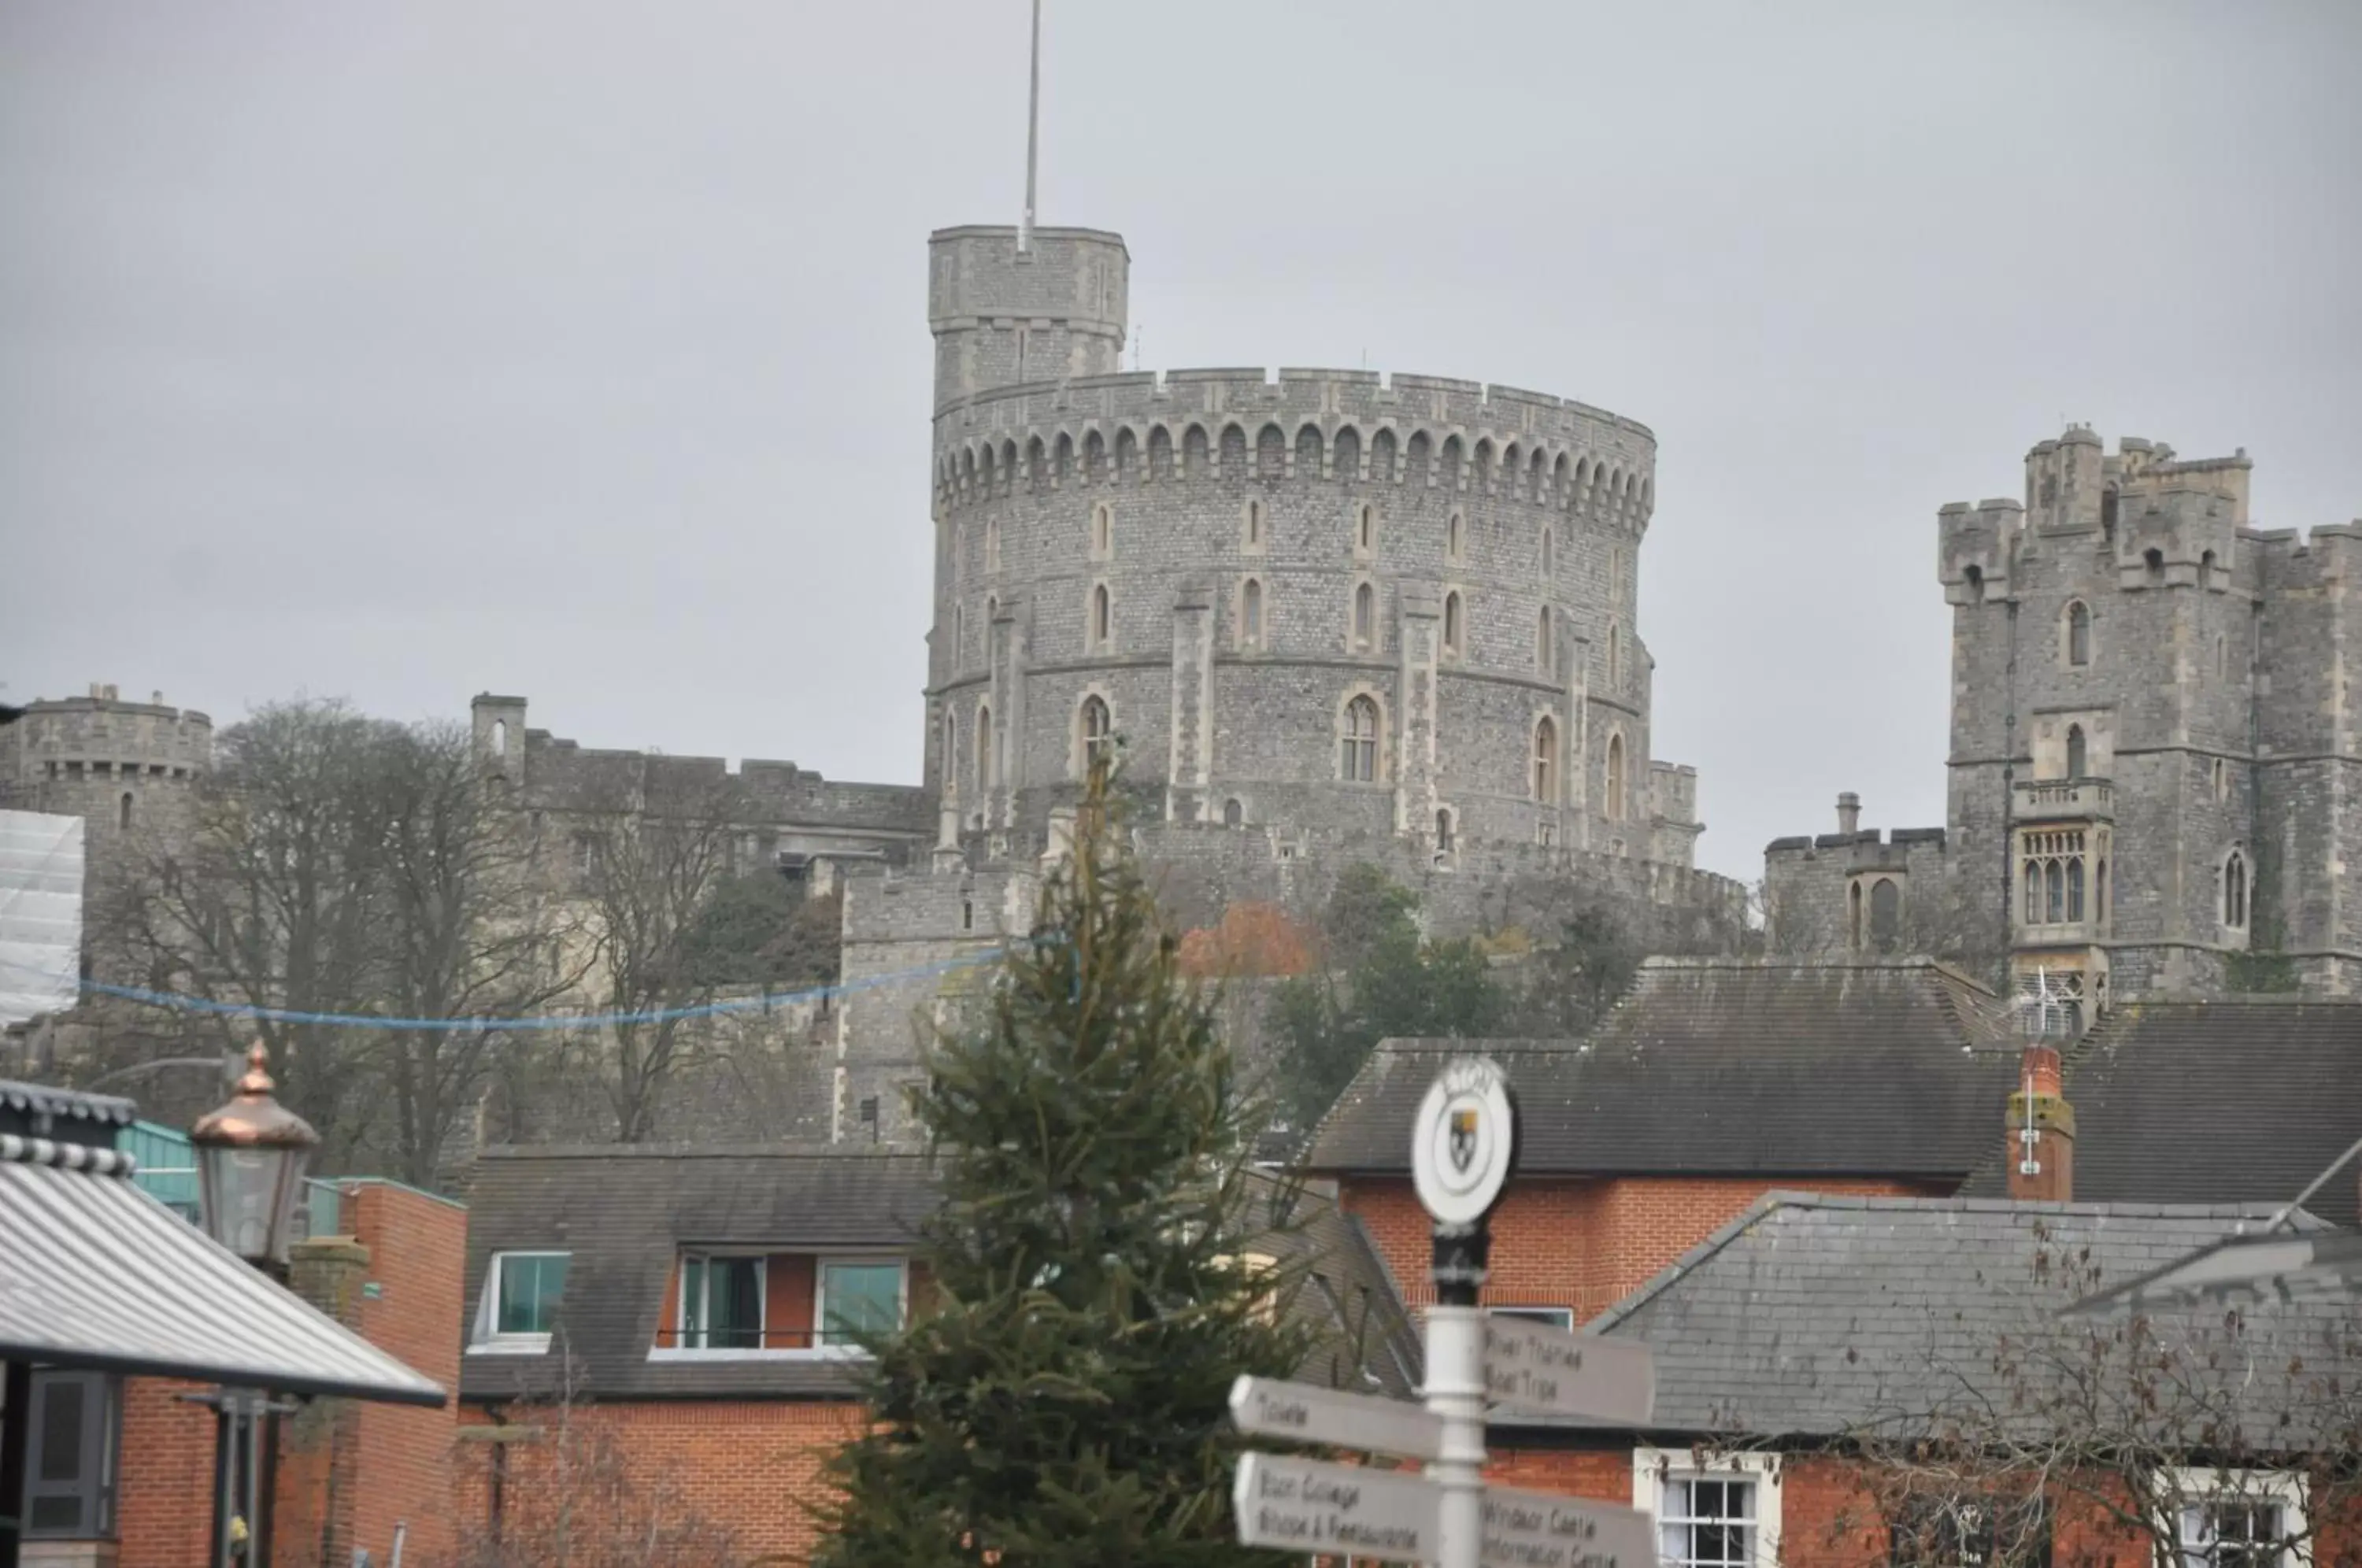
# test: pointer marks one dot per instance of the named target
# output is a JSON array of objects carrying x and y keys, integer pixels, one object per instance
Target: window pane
[
  {"x": 735, "y": 1295},
  {"x": 857, "y": 1298},
  {"x": 531, "y": 1283},
  {"x": 62, "y": 1415}
]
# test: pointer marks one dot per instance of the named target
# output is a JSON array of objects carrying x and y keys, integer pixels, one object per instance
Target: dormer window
[
  {"x": 721, "y": 1302},
  {"x": 756, "y": 1304},
  {"x": 518, "y": 1310}
]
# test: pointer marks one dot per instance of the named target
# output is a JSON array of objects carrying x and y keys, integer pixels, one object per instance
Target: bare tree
[
  {"x": 469, "y": 932},
  {"x": 650, "y": 861},
  {"x": 2223, "y": 1440},
  {"x": 561, "y": 1490},
  {"x": 270, "y": 897}
]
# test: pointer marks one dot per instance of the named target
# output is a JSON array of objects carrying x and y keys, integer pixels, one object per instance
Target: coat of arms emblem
[{"x": 1464, "y": 1137}]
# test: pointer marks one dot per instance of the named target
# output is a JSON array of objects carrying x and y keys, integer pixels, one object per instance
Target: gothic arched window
[
  {"x": 1885, "y": 914},
  {"x": 1454, "y": 538},
  {"x": 2078, "y": 633},
  {"x": 1365, "y": 528},
  {"x": 1546, "y": 761},
  {"x": 2076, "y": 752},
  {"x": 1102, "y": 617},
  {"x": 1233, "y": 813},
  {"x": 1358, "y": 754},
  {"x": 1613, "y": 794},
  {"x": 1250, "y": 613},
  {"x": 986, "y": 765},
  {"x": 1366, "y": 616},
  {"x": 2235, "y": 891},
  {"x": 1099, "y": 729},
  {"x": 1452, "y": 623},
  {"x": 1545, "y": 650},
  {"x": 1443, "y": 829}
]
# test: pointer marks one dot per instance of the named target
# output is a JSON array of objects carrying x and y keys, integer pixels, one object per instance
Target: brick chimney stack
[
  {"x": 2042, "y": 1167},
  {"x": 1849, "y": 813}
]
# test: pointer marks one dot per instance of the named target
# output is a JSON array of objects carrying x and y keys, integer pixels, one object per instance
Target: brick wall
[
  {"x": 417, "y": 1249},
  {"x": 751, "y": 1467},
  {"x": 164, "y": 1507},
  {"x": 1580, "y": 1242}
]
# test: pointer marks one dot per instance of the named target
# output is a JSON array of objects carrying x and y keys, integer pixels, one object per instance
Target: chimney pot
[
  {"x": 1848, "y": 812},
  {"x": 2040, "y": 1138}
]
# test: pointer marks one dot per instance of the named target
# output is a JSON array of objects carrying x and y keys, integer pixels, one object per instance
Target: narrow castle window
[
  {"x": 1454, "y": 538},
  {"x": 1615, "y": 656},
  {"x": 1254, "y": 524},
  {"x": 1102, "y": 617},
  {"x": 2206, "y": 569},
  {"x": 967, "y": 914},
  {"x": 1358, "y": 759},
  {"x": 2222, "y": 779},
  {"x": 992, "y": 545},
  {"x": 1613, "y": 799},
  {"x": 2100, "y": 891},
  {"x": 1885, "y": 914},
  {"x": 1365, "y": 528},
  {"x": 986, "y": 765},
  {"x": 123, "y": 812},
  {"x": 2079, "y": 633},
  {"x": 1544, "y": 647},
  {"x": 1451, "y": 624},
  {"x": 2235, "y": 891},
  {"x": 2076, "y": 757},
  {"x": 1550, "y": 559},
  {"x": 2222, "y": 657},
  {"x": 1250, "y": 613},
  {"x": 1443, "y": 829},
  {"x": 500, "y": 737},
  {"x": 1102, "y": 531},
  {"x": 951, "y": 752},
  {"x": 959, "y": 634},
  {"x": 1546, "y": 761},
  {"x": 1365, "y": 615},
  {"x": 1853, "y": 916},
  {"x": 2153, "y": 568},
  {"x": 1098, "y": 731},
  {"x": 1233, "y": 813}
]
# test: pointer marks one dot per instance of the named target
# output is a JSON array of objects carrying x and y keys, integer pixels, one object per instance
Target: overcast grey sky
[{"x": 404, "y": 351}]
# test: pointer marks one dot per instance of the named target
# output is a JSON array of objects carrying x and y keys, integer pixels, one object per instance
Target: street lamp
[{"x": 250, "y": 1158}]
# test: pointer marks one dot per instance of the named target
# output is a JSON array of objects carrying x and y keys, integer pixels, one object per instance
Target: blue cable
[{"x": 555, "y": 1021}]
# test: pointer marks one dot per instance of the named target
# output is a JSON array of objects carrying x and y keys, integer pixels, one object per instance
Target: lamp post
[{"x": 250, "y": 1157}]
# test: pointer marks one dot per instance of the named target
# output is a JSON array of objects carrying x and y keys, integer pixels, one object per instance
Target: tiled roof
[
  {"x": 624, "y": 1213},
  {"x": 38, "y": 1111},
  {"x": 1869, "y": 1067},
  {"x": 2242, "y": 1100},
  {"x": 1811, "y": 1315}
]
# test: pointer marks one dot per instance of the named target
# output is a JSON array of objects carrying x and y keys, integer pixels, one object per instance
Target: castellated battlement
[
  {"x": 1975, "y": 546},
  {"x": 1356, "y": 426},
  {"x": 102, "y": 737}
]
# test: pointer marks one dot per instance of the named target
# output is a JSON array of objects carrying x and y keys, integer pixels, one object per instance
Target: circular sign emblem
[{"x": 1464, "y": 1140}]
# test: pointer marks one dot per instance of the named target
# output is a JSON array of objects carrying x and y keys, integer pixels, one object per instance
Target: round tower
[
  {"x": 124, "y": 768},
  {"x": 1323, "y": 599}
]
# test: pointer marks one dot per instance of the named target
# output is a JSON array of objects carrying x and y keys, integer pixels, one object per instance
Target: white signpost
[
  {"x": 1535, "y": 1369},
  {"x": 1307, "y": 1505},
  {"x": 1462, "y": 1152}
]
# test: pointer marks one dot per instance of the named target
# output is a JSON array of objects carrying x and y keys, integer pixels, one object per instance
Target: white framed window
[
  {"x": 518, "y": 1310},
  {"x": 721, "y": 1302},
  {"x": 1711, "y": 1510},
  {"x": 2238, "y": 1519},
  {"x": 856, "y": 1297}
]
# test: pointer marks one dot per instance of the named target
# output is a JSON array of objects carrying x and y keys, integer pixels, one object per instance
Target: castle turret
[{"x": 1005, "y": 316}]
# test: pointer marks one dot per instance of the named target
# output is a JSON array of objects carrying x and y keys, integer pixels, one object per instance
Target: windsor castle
[{"x": 1327, "y": 617}]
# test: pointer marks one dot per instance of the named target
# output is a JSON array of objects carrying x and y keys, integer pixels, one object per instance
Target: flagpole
[{"x": 1032, "y": 134}]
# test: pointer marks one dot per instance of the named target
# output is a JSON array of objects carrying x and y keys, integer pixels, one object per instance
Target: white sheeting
[{"x": 40, "y": 913}]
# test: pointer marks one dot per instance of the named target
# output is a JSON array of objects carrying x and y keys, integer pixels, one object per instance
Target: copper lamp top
[{"x": 253, "y": 1118}]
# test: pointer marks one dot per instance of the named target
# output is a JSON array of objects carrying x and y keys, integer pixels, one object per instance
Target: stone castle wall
[{"x": 2125, "y": 605}]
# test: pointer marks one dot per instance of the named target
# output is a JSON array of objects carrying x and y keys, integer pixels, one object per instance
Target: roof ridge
[{"x": 698, "y": 1151}]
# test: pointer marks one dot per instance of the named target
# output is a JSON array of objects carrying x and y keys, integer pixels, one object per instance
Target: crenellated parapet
[
  {"x": 1342, "y": 426},
  {"x": 1975, "y": 547}
]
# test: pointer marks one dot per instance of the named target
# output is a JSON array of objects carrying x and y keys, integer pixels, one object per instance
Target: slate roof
[
  {"x": 625, "y": 1212},
  {"x": 1811, "y": 1316},
  {"x": 2242, "y": 1100},
  {"x": 38, "y": 1110},
  {"x": 1858, "y": 1068}
]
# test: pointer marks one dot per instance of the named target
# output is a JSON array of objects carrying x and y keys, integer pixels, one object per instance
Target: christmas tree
[{"x": 1104, "y": 1263}]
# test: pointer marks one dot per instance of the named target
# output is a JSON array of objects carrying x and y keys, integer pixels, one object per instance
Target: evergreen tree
[{"x": 1102, "y": 1266}]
